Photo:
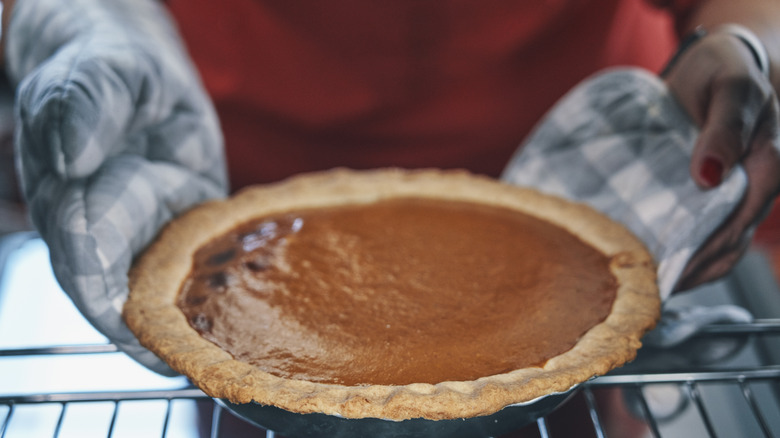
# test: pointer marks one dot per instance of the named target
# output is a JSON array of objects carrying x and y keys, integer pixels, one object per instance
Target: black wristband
[{"x": 752, "y": 42}]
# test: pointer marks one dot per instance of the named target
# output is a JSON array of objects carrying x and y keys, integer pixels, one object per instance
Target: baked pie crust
[{"x": 156, "y": 278}]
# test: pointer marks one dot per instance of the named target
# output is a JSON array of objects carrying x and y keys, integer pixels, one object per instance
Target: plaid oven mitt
[
  {"x": 115, "y": 136},
  {"x": 620, "y": 143}
]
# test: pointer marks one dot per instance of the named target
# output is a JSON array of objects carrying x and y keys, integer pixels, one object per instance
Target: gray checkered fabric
[
  {"x": 115, "y": 136},
  {"x": 620, "y": 143}
]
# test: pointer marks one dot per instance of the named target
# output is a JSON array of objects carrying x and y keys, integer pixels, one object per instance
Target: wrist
[
  {"x": 753, "y": 43},
  {"x": 742, "y": 33}
]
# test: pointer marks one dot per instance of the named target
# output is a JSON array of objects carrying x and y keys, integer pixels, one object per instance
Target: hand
[
  {"x": 115, "y": 137},
  {"x": 719, "y": 83}
]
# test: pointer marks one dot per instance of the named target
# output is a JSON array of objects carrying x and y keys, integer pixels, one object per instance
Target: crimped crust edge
[{"x": 155, "y": 279}]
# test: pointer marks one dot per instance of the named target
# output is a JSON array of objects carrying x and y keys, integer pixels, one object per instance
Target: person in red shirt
[{"x": 117, "y": 133}]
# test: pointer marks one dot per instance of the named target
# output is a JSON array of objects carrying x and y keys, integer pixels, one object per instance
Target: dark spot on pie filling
[
  {"x": 218, "y": 280},
  {"x": 195, "y": 300},
  {"x": 221, "y": 257},
  {"x": 259, "y": 264},
  {"x": 201, "y": 322}
]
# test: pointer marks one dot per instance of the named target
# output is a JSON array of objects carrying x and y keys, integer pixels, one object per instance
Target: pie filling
[{"x": 399, "y": 291}]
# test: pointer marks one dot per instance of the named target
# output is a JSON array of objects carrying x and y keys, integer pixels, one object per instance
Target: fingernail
[{"x": 711, "y": 171}]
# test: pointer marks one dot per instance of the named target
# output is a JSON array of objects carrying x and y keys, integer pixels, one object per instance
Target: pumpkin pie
[{"x": 392, "y": 294}]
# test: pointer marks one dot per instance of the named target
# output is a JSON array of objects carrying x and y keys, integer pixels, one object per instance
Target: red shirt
[{"x": 302, "y": 85}]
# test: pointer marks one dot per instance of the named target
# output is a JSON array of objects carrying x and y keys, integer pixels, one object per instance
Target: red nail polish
[{"x": 711, "y": 171}]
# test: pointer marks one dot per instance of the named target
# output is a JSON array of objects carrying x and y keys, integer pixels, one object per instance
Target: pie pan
[
  {"x": 316, "y": 425},
  {"x": 417, "y": 409}
]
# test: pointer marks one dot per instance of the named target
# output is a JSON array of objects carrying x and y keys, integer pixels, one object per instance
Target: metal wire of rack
[{"x": 753, "y": 385}]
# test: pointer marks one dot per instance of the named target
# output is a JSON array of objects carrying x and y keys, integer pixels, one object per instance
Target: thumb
[
  {"x": 731, "y": 122},
  {"x": 71, "y": 116},
  {"x": 82, "y": 80}
]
